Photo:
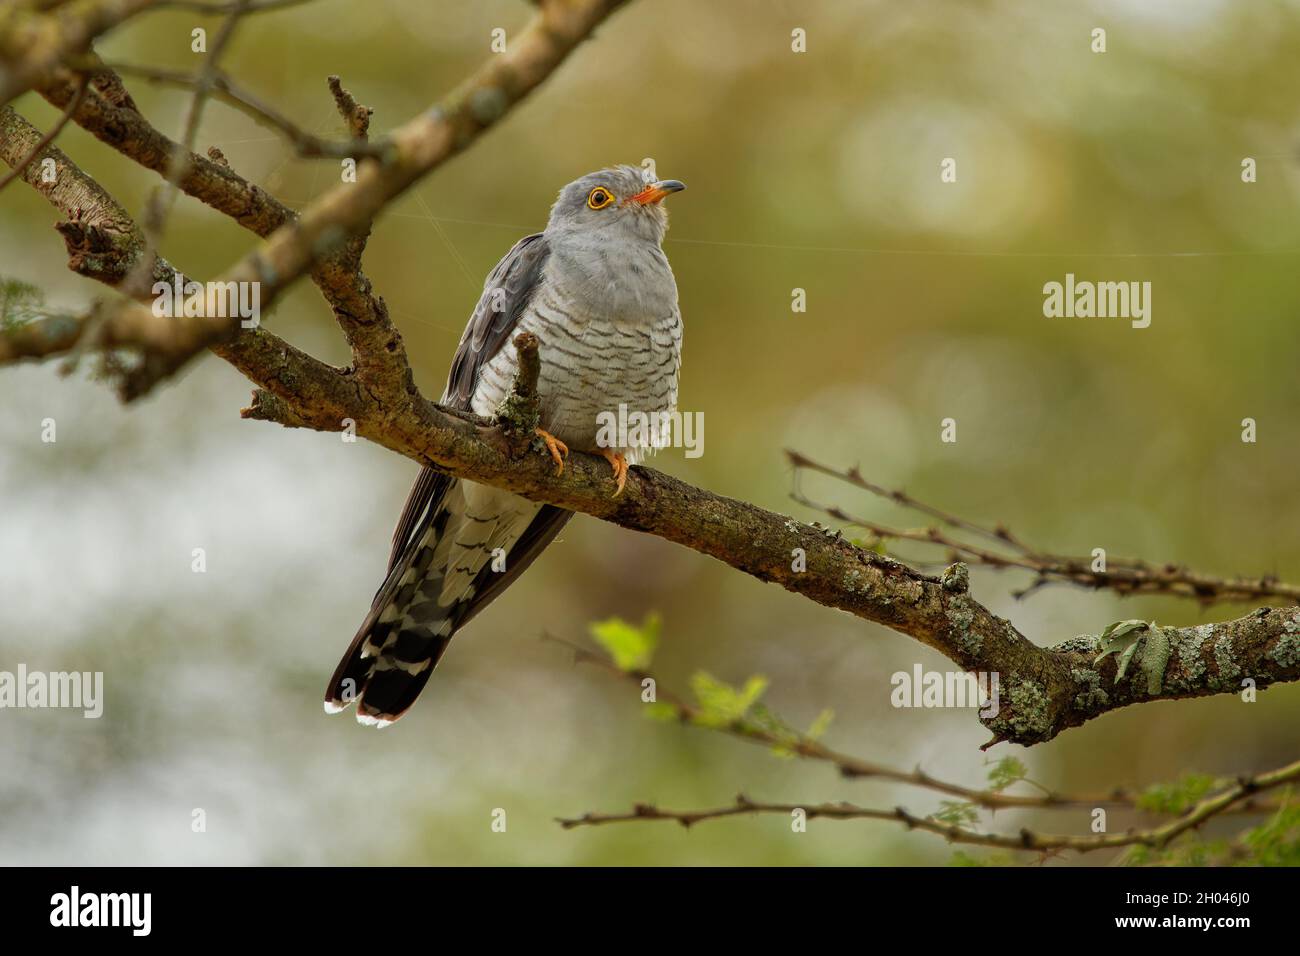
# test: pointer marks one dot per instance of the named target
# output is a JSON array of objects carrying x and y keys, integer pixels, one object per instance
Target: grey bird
[{"x": 596, "y": 289}]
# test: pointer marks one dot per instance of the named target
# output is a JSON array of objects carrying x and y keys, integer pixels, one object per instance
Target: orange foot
[
  {"x": 557, "y": 448},
  {"x": 619, "y": 464}
]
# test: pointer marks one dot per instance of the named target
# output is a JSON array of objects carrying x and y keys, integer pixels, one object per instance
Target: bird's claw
[
  {"x": 619, "y": 464},
  {"x": 557, "y": 448}
]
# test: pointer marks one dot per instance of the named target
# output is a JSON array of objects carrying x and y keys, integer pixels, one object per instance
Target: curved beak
[{"x": 655, "y": 192}]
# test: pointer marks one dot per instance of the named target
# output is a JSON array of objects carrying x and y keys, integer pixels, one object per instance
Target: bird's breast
[{"x": 594, "y": 367}]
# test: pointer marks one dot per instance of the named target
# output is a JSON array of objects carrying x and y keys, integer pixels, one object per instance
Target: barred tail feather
[
  {"x": 402, "y": 639},
  {"x": 428, "y": 594}
]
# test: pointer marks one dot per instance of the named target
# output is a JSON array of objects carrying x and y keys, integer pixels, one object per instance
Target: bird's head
[{"x": 613, "y": 203}]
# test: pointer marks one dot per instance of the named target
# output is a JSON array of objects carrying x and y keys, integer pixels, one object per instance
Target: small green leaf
[
  {"x": 820, "y": 724},
  {"x": 1005, "y": 772},
  {"x": 956, "y": 814},
  {"x": 768, "y": 721},
  {"x": 631, "y": 647},
  {"x": 753, "y": 690},
  {"x": 720, "y": 703}
]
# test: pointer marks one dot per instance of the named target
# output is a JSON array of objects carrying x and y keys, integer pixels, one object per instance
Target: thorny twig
[{"x": 1125, "y": 576}]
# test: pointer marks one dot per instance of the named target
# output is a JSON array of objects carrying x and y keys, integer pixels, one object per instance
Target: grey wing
[
  {"x": 506, "y": 293},
  {"x": 516, "y": 277}
]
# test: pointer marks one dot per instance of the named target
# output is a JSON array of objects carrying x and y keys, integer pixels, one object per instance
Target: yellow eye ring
[{"x": 599, "y": 198}]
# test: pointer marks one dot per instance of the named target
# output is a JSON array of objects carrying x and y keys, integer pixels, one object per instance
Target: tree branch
[
  {"x": 759, "y": 725},
  {"x": 1125, "y": 576},
  {"x": 1026, "y": 839},
  {"x": 419, "y": 147},
  {"x": 767, "y": 733},
  {"x": 1046, "y": 690},
  {"x": 379, "y": 354},
  {"x": 103, "y": 242}
]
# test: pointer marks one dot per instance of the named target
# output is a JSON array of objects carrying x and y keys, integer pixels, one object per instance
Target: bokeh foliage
[{"x": 817, "y": 171}]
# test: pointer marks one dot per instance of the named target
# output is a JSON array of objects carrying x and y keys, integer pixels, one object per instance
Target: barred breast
[{"x": 591, "y": 364}]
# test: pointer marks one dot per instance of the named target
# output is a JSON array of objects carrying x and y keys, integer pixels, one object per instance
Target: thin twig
[
  {"x": 155, "y": 219},
  {"x": 1230, "y": 799},
  {"x": 855, "y": 767},
  {"x": 854, "y": 477},
  {"x": 1123, "y": 575},
  {"x": 307, "y": 145},
  {"x": 1025, "y": 839},
  {"x": 159, "y": 206}
]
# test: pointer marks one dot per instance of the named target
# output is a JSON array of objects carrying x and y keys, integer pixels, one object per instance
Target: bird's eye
[{"x": 599, "y": 198}]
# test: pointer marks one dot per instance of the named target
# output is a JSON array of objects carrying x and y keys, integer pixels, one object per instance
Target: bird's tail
[
  {"x": 425, "y": 598},
  {"x": 400, "y": 642}
]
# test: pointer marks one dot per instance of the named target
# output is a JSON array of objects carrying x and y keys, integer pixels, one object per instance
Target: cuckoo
[{"x": 596, "y": 290}]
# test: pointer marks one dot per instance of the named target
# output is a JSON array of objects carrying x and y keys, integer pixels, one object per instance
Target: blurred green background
[{"x": 818, "y": 171}]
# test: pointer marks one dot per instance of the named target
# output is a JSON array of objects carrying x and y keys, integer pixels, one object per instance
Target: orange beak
[{"x": 654, "y": 192}]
